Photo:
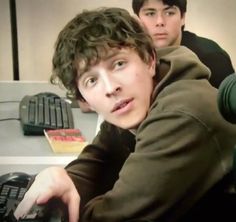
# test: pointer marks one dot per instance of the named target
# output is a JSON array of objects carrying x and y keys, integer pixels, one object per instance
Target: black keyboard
[
  {"x": 44, "y": 111},
  {"x": 12, "y": 189}
]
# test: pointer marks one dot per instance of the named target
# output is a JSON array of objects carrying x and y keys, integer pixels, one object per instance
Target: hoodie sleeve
[{"x": 96, "y": 169}]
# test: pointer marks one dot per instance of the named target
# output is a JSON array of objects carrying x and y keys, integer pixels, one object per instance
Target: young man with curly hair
[{"x": 183, "y": 148}]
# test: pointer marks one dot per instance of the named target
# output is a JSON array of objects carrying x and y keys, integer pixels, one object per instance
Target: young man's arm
[
  {"x": 97, "y": 168},
  {"x": 162, "y": 178}
]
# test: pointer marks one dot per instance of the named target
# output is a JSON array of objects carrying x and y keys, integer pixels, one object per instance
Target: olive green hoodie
[{"x": 181, "y": 150}]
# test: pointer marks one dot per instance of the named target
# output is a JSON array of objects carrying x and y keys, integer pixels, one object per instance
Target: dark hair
[
  {"x": 86, "y": 39},
  {"x": 181, "y": 4}
]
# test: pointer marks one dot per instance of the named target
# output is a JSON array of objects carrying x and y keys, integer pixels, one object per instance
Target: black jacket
[{"x": 211, "y": 54}]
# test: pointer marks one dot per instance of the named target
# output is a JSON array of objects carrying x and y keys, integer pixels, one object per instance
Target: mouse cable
[
  {"x": 10, "y": 101},
  {"x": 6, "y": 119}
]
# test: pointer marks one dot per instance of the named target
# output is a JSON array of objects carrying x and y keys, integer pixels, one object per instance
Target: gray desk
[{"x": 31, "y": 154}]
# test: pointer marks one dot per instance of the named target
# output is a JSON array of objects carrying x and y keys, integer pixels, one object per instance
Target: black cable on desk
[
  {"x": 7, "y": 119},
  {"x": 11, "y": 118},
  {"x": 10, "y": 101}
]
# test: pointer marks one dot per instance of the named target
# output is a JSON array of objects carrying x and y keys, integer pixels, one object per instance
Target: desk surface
[{"x": 32, "y": 153}]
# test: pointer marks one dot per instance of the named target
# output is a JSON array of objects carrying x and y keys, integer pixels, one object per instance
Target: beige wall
[
  {"x": 39, "y": 22},
  {"x": 214, "y": 19},
  {"x": 5, "y": 41}
]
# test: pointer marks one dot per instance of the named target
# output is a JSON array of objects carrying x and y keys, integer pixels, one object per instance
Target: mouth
[
  {"x": 160, "y": 35},
  {"x": 121, "y": 105}
]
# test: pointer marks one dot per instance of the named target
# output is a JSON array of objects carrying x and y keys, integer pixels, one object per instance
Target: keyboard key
[
  {"x": 65, "y": 115},
  {"x": 32, "y": 112},
  {"x": 40, "y": 111},
  {"x": 44, "y": 111},
  {"x": 53, "y": 114}
]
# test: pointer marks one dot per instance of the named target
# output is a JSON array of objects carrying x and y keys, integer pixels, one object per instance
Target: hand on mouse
[{"x": 51, "y": 182}]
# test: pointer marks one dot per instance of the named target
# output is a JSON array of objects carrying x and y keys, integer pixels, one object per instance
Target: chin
[
  {"x": 130, "y": 124},
  {"x": 160, "y": 44},
  {"x": 125, "y": 124}
]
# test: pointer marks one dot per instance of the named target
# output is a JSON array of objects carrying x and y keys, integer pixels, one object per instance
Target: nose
[
  {"x": 112, "y": 86},
  {"x": 113, "y": 92},
  {"x": 160, "y": 20}
]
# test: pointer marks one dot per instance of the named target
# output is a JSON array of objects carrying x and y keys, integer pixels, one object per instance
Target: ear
[
  {"x": 152, "y": 64},
  {"x": 183, "y": 20},
  {"x": 139, "y": 21},
  {"x": 136, "y": 18},
  {"x": 85, "y": 107},
  {"x": 91, "y": 108}
]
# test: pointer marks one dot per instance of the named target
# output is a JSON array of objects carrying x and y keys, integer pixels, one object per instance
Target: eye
[
  {"x": 170, "y": 12},
  {"x": 90, "y": 81},
  {"x": 150, "y": 13},
  {"x": 119, "y": 64}
]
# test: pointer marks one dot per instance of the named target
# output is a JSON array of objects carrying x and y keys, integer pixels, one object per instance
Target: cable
[
  {"x": 10, "y": 119},
  {"x": 10, "y": 101},
  {"x": 13, "y": 101}
]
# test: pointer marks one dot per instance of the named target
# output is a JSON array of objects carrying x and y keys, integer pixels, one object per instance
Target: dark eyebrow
[
  {"x": 144, "y": 10},
  {"x": 170, "y": 7},
  {"x": 167, "y": 7},
  {"x": 149, "y": 9}
]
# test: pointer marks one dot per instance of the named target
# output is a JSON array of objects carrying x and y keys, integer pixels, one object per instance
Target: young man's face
[
  {"x": 119, "y": 87},
  {"x": 163, "y": 22}
]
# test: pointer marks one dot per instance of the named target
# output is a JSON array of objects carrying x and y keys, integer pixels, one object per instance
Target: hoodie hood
[{"x": 178, "y": 63}]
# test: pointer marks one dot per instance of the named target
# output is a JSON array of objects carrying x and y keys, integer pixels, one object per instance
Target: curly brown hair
[{"x": 86, "y": 39}]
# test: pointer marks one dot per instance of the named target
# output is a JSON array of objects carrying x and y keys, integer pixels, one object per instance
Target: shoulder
[
  {"x": 211, "y": 54},
  {"x": 178, "y": 101},
  {"x": 195, "y": 42},
  {"x": 178, "y": 110},
  {"x": 182, "y": 96}
]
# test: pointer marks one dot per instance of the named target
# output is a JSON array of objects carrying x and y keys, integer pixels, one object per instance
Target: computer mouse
[
  {"x": 12, "y": 189},
  {"x": 53, "y": 211},
  {"x": 56, "y": 210}
]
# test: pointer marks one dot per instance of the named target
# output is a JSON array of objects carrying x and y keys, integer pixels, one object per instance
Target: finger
[
  {"x": 44, "y": 196},
  {"x": 24, "y": 207},
  {"x": 73, "y": 208},
  {"x": 32, "y": 196}
]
